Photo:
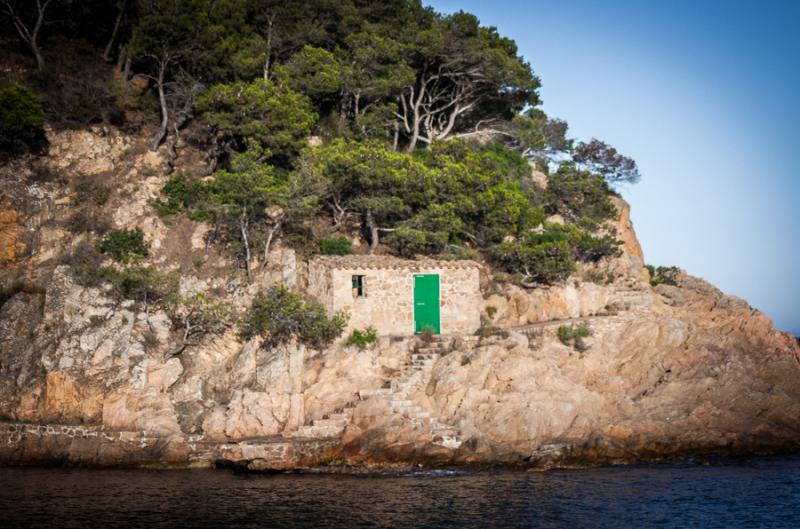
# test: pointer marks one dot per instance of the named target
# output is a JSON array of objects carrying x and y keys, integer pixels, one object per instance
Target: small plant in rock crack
[
  {"x": 362, "y": 338},
  {"x": 573, "y": 336}
]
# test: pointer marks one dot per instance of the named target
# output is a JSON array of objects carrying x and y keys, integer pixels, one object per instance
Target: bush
[
  {"x": 663, "y": 275},
  {"x": 536, "y": 262},
  {"x": 362, "y": 339},
  {"x": 21, "y": 120},
  {"x": 142, "y": 283},
  {"x": 335, "y": 246},
  {"x": 124, "y": 244},
  {"x": 279, "y": 315},
  {"x": 181, "y": 193},
  {"x": 573, "y": 336},
  {"x": 579, "y": 196},
  {"x": 410, "y": 242}
]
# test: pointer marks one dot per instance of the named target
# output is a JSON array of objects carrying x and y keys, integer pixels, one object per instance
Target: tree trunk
[
  {"x": 126, "y": 71},
  {"x": 28, "y": 35},
  {"x": 243, "y": 224},
  {"x": 162, "y": 100},
  {"x": 373, "y": 232},
  {"x": 109, "y": 46},
  {"x": 396, "y": 138},
  {"x": 270, "y": 20},
  {"x": 38, "y": 54},
  {"x": 267, "y": 245}
]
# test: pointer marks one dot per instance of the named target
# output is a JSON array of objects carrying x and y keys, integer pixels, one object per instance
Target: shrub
[
  {"x": 663, "y": 275},
  {"x": 124, "y": 244},
  {"x": 335, "y": 246},
  {"x": 573, "y": 336},
  {"x": 579, "y": 195},
  {"x": 362, "y": 339},
  {"x": 21, "y": 120},
  {"x": 279, "y": 315},
  {"x": 142, "y": 283},
  {"x": 427, "y": 334},
  {"x": 181, "y": 193},
  {"x": 534, "y": 261},
  {"x": 412, "y": 241},
  {"x": 96, "y": 320}
]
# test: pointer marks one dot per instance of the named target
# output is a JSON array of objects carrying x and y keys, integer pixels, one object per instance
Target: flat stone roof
[{"x": 387, "y": 261}]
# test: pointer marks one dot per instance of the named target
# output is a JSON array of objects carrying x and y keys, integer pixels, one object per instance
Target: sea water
[{"x": 741, "y": 493}]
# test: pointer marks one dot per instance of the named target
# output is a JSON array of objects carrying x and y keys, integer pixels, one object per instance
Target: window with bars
[{"x": 358, "y": 287}]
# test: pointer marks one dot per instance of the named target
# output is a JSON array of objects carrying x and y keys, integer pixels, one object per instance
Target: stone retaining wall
[{"x": 90, "y": 445}]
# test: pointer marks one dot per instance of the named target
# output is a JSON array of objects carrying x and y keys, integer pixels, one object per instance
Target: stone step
[
  {"x": 318, "y": 431},
  {"x": 430, "y": 350},
  {"x": 339, "y": 416},
  {"x": 334, "y": 423}
]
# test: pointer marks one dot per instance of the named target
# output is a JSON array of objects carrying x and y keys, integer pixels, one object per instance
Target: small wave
[{"x": 436, "y": 473}]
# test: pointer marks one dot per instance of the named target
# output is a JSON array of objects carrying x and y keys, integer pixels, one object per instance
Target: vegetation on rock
[
  {"x": 335, "y": 245},
  {"x": 362, "y": 339},
  {"x": 124, "y": 245},
  {"x": 21, "y": 119},
  {"x": 663, "y": 275},
  {"x": 573, "y": 336},
  {"x": 280, "y": 315}
]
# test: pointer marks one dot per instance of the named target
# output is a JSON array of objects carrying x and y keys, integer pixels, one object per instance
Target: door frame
[{"x": 439, "y": 300}]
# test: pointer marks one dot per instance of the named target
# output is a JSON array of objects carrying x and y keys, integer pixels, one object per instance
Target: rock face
[{"x": 666, "y": 371}]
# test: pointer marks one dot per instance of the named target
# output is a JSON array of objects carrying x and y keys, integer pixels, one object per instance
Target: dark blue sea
[{"x": 754, "y": 493}]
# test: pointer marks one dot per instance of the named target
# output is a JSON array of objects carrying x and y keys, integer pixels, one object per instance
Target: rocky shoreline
[{"x": 25, "y": 444}]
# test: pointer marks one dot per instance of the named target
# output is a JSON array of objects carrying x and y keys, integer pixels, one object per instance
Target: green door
[{"x": 426, "y": 303}]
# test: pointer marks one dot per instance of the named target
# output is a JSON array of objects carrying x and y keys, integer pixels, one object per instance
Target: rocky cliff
[{"x": 671, "y": 370}]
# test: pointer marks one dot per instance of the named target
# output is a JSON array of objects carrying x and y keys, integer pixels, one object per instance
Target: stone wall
[
  {"x": 388, "y": 304},
  {"x": 88, "y": 445}
]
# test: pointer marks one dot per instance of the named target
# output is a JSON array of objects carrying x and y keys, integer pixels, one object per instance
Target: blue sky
[{"x": 704, "y": 96}]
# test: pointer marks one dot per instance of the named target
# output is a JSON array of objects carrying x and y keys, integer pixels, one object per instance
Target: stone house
[{"x": 399, "y": 296}]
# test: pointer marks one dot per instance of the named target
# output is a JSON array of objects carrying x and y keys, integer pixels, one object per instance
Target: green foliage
[
  {"x": 181, "y": 193},
  {"x": 534, "y": 260},
  {"x": 663, "y": 275},
  {"x": 198, "y": 315},
  {"x": 335, "y": 246},
  {"x": 280, "y": 315},
  {"x": 538, "y": 136},
  {"x": 427, "y": 334},
  {"x": 314, "y": 72},
  {"x": 124, "y": 244},
  {"x": 603, "y": 159},
  {"x": 579, "y": 196},
  {"x": 573, "y": 336},
  {"x": 21, "y": 120},
  {"x": 271, "y": 119},
  {"x": 143, "y": 284},
  {"x": 362, "y": 338},
  {"x": 96, "y": 320}
]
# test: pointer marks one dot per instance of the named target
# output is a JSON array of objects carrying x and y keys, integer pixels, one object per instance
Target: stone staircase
[{"x": 415, "y": 374}]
